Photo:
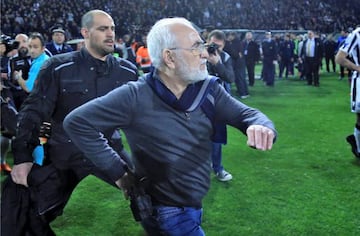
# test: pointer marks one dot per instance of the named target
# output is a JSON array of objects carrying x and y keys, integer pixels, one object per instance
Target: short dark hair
[
  {"x": 87, "y": 19},
  {"x": 218, "y": 34},
  {"x": 37, "y": 35}
]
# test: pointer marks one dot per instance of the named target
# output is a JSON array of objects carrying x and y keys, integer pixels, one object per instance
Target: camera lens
[
  {"x": 212, "y": 48},
  {"x": 10, "y": 43}
]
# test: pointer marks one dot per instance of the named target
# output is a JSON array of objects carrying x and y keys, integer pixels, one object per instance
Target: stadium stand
[{"x": 136, "y": 16}]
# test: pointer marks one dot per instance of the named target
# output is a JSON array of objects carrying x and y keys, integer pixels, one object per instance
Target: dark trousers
[
  {"x": 269, "y": 72},
  {"x": 250, "y": 67},
  {"x": 331, "y": 59},
  {"x": 312, "y": 66},
  {"x": 342, "y": 72},
  {"x": 286, "y": 65},
  {"x": 240, "y": 76}
]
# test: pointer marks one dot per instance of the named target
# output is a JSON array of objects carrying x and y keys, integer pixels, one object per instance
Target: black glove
[{"x": 140, "y": 202}]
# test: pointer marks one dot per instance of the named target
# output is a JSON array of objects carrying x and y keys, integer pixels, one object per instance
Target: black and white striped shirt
[{"x": 352, "y": 46}]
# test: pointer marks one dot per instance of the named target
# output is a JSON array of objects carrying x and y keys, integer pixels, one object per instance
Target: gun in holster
[{"x": 140, "y": 202}]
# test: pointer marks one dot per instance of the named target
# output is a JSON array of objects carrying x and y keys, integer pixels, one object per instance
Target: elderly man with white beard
[{"x": 169, "y": 118}]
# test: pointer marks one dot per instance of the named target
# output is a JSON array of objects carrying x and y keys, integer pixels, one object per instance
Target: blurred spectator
[
  {"x": 34, "y": 15},
  {"x": 329, "y": 52},
  {"x": 286, "y": 57},
  {"x": 252, "y": 55},
  {"x": 300, "y": 64},
  {"x": 311, "y": 55},
  {"x": 129, "y": 53},
  {"x": 142, "y": 56},
  {"x": 120, "y": 47},
  {"x": 269, "y": 53},
  {"x": 233, "y": 46},
  {"x": 21, "y": 61}
]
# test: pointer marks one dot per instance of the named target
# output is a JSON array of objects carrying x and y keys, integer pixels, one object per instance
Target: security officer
[
  {"x": 269, "y": 55},
  {"x": 286, "y": 56},
  {"x": 65, "y": 82},
  {"x": 57, "y": 44},
  {"x": 329, "y": 52}
]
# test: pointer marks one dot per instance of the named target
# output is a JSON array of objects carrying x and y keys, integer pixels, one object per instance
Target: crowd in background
[
  {"x": 330, "y": 20},
  {"x": 136, "y": 16}
]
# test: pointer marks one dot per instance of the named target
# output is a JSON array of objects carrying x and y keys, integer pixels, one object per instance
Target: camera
[
  {"x": 212, "y": 48},
  {"x": 10, "y": 43}
]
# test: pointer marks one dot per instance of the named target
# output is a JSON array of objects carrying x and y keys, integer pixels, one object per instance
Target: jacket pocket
[{"x": 73, "y": 86}]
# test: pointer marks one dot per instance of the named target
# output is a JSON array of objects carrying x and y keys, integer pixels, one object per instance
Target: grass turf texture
[{"x": 307, "y": 185}]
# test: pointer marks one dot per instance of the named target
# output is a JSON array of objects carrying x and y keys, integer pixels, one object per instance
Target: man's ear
[
  {"x": 84, "y": 33},
  {"x": 168, "y": 58}
]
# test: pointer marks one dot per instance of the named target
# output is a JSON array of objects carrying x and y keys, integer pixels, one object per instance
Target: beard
[
  {"x": 190, "y": 74},
  {"x": 101, "y": 50},
  {"x": 23, "y": 51}
]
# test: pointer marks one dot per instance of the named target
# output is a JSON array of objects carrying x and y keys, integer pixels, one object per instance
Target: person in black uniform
[
  {"x": 233, "y": 46},
  {"x": 58, "y": 45},
  {"x": 65, "y": 82},
  {"x": 269, "y": 54},
  {"x": 286, "y": 56},
  {"x": 252, "y": 54},
  {"x": 330, "y": 47}
]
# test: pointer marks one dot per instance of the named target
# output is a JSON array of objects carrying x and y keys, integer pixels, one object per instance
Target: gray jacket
[{"x": 172, "y": 148}]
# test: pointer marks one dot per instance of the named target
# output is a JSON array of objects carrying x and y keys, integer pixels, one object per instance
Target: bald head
[
  {"x": 87, "y": 21},
  {"x": 21, "y": 37},
  {"x": 98, "y": 30},
  {"x": 249, "y": 36}
]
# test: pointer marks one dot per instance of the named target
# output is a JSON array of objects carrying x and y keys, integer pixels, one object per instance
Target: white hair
[{"x": 161, "y": 37}]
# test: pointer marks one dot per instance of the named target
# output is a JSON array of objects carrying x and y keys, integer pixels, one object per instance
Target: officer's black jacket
[{"x": 65, "y": 82}]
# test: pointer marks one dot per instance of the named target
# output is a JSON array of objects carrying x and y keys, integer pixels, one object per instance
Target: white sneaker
[{"x": 223, "y": 176}]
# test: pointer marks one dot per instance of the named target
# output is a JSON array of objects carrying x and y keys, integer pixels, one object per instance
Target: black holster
[{"x": 140, "y": 202}]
